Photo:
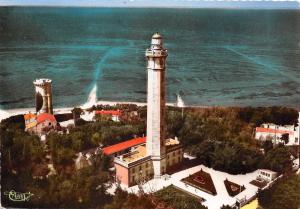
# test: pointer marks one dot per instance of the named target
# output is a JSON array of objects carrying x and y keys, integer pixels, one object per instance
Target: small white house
[{"x": 266, "y": 175}]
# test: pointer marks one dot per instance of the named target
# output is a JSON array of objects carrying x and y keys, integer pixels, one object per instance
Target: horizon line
[{"x": 163, "y": 7}]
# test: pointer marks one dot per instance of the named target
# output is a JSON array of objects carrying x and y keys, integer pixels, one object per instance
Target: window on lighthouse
[
  {"x": 158, "y": 62},
  {"x": 150, "y": 63}
]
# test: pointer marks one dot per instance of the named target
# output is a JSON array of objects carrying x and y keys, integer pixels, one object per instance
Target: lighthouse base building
[{"x": 136, "y": 167}]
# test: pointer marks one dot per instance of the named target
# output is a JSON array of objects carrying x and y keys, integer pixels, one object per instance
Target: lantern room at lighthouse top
[{"x": 156, "y": 54}]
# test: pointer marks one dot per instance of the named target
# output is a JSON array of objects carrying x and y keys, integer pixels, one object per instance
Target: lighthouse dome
[
  {"x": 156, "y": 40},
  {"x": 156, "y": 36}
]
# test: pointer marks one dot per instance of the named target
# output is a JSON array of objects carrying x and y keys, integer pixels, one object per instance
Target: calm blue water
[{"x": 216, "y": 57}]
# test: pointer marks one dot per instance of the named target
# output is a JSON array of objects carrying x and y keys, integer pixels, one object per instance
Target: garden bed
[
  {"x": 259, "y": 183},
  {"x": 201, "y": 180},
  {"x": 232, "y": 188}
]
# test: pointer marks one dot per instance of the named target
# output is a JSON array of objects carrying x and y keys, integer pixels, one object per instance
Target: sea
[{"x": 217, "y": 57}]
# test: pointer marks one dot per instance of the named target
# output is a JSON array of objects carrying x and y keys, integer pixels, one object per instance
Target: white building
[
  {"x": 269, "y": 131},
  {"x": 266, "y": 175}
]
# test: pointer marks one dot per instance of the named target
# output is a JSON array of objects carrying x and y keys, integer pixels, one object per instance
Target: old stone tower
[{"x": 43, "y": 95}]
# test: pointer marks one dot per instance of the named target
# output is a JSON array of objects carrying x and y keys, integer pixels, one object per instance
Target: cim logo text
[{"x": 18, "y": 196}]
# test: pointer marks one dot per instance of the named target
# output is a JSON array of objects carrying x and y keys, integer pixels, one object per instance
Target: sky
[{"x": 268, "y": 4}]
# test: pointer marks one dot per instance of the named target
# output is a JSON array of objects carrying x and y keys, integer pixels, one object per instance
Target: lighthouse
[
  {"x": 156, "y": 66},
  {"x": 152, "y": 155}
]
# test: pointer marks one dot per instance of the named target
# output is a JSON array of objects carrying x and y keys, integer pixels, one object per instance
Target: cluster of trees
[
  {"x": 64, "y": 147},
  {"x": 223, "y": 138},
  {"x": 175, "y": 199},
  {"x": 105, "y": 132},
  {"x": 125, "y": 200},
  {"x": 216, "y": 137},
  {"x": 19, "y": 150},
  {"x": 276, "y": 115},
  {"x": 285, "y": 193},
  {"x": 236, "y": 158},
  {"x": 212, "y": 124},
  {"x": 84, "y": 188},
  {"x": 228, "y": 156},
  {"x": 123, "y": 107},
  {"x": 277, "y": 159}
]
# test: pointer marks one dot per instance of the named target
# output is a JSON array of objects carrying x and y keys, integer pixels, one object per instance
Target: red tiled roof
[
  {"x": 29, "y": 116},
  {"x": 108, "y": 112},
  {"x": 273, "y": 131},
  {"x": 45, "y": 116},
  {"x": 123, "y": 145}
]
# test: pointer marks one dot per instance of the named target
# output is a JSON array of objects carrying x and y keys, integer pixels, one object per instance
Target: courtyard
[{"x": 222, "y": 197}]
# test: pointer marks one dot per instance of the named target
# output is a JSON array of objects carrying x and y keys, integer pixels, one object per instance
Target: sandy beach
[{"x": 10, "y": 112}]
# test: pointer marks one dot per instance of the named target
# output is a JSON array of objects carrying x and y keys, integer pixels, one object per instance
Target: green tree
[
  {"x": 177, "y": 199},
  {"x": 204, "y": 152},
  {"x": 278, "y": 159},
  {"x": 285, "y": 138},
  {"x": 285, "y": 193},
  {"x": 96, "y": 139},
  {"x": 124, "y": 200},
  {"x": 267, "y": 145},
  {"x": 174, "y": 121}
]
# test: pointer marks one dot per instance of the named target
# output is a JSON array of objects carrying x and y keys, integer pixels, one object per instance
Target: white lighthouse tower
[{"x": 155, "y": 145}]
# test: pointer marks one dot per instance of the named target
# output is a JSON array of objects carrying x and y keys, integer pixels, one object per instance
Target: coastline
[
  {"x": 60, "y": 110},
  {"x": 6, "y": 113}
]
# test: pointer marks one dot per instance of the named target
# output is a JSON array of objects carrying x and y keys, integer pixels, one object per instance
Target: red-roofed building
[
  {"x": 275, "y": 133},
  {"x": 42, "y": 124},
  {"x": 114, "y": 114},
  {"x": 122, "y": 147},
  {"x": 41, "y": 118},
  {"x": 132, "y": 162},
  {"x": 30, "y": 121},
  {"x": 135, "y": 165}
]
